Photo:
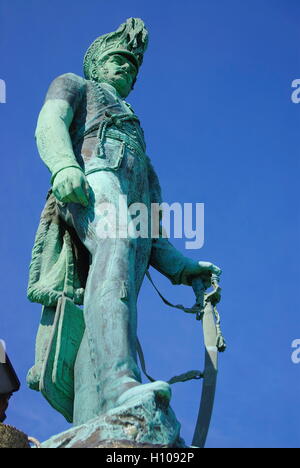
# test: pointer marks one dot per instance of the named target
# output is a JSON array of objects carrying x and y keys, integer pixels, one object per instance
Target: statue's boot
[
  {"x": 124, "y": 390},
  {"x": 161, "y": 390}
]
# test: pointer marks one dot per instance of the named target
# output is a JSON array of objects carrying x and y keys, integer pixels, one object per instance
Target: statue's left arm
[
  {"x": 165, "y": 257},
  {"x": 177, "y": 267}
]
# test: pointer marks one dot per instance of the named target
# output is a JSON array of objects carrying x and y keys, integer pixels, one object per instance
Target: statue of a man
[{"x": 93, "y": 144}]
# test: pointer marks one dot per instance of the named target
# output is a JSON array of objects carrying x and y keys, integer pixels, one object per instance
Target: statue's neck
[{"x": 112, "y": 89}]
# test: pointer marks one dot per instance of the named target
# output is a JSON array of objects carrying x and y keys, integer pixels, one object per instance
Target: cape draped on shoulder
[{"x": 58, "y": 258}]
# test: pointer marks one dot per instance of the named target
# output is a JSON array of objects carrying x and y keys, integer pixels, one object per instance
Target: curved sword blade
[{"x": 210, "y": 377}]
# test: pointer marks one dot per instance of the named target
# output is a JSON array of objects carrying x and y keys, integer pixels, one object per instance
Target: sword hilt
[
  {"x": 215, "y": 296},
  {"x": 199, "y": 290}
]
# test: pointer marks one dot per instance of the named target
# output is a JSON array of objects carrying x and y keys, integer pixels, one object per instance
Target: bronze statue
[{"x": 93, "y": 144}]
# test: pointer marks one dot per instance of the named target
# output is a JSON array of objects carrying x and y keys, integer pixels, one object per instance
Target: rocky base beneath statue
[
  {"x": 139, "y": 423},
  {"x": 10, "y": 437}
]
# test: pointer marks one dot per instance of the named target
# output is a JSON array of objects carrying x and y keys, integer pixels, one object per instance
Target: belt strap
[
  {"x": 186, "y": 376},
  {"x": 188, "y": 310}
]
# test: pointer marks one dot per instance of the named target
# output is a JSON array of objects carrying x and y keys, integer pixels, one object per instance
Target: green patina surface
[{"x": 93, "y": 144}]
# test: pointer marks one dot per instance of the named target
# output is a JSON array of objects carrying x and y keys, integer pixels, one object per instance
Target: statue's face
[{"x": 118, "y": 71}]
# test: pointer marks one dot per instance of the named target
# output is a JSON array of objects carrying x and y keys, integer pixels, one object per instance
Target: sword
[{"x": 214, "y": 342}]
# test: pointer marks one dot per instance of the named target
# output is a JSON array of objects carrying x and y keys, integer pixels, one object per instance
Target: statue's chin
[
  {"x": 119, "y": 82},
  {"x": 121, "y": 85}
]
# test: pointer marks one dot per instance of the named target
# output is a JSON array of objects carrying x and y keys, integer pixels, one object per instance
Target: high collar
[{"x": 111, "y": 89}]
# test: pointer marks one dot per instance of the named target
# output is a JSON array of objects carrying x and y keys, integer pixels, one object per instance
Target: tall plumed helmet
[{"x": 130, "y": 39}]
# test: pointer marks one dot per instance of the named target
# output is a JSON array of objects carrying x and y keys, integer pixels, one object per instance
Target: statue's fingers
[
  {"x": 216, "y": 270},
  {"x": 59, "y": 192},
  {"x": 86, "y": 188},
  {"x": 66, "y": 191},
  {"x": 71, "y": 193},
  {"x": 208, "y": 267},
  {"x": 67, "y": 199},
  {"x": 81, "y": 196},
  {"x": 72, "y": 197}
]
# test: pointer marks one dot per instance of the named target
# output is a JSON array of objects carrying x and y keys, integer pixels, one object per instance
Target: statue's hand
[
  {"x": 203, "y": 269},
  {"x": 70, "y": 186}
]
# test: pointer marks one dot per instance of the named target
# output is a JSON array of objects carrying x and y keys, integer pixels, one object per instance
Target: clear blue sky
[{"x": 214, "y": 100}]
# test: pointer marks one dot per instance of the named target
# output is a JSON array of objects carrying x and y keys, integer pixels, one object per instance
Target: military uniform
[{"x": 108, "y": 144}]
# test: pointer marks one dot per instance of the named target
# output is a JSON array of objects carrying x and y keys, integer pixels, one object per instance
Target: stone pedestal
[{"x": 145, "y": 421}]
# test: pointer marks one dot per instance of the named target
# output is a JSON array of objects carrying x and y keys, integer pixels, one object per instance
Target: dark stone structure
[{"x": 9, "y": 383}]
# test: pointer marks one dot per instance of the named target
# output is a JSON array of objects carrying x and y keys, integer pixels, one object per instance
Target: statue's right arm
[
  {"x": 54, "y": 142},
  {"x": 53, "y": 138}
]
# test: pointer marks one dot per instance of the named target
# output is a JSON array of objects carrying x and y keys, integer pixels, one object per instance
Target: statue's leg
[
  {"x": 111, "y": 319},
  {"x": 86, "y": 403},
  {"x": 110, "y": 300}
]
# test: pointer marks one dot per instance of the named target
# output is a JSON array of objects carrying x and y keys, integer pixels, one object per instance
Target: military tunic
[{"x": 108, "y": 144}]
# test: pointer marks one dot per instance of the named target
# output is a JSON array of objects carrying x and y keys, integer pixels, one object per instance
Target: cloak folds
[
  {"x": 59, "y": 262},
  {"x": 57, "y": 278}
]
